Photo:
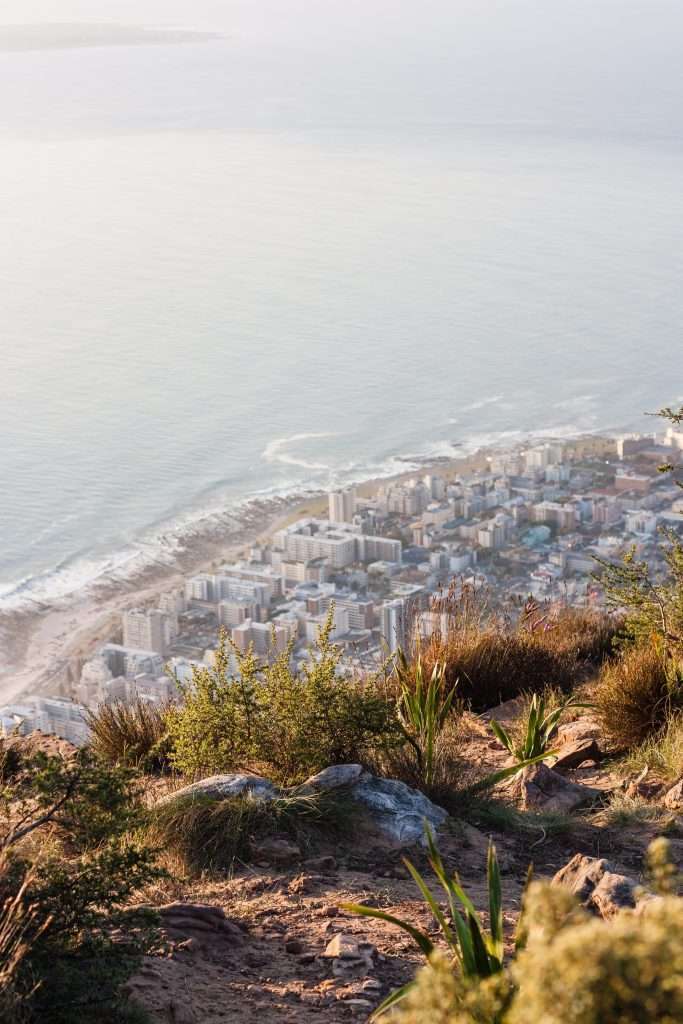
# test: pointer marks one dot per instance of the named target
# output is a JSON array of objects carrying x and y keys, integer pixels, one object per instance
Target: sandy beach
[{"x": 42, "y": 646}]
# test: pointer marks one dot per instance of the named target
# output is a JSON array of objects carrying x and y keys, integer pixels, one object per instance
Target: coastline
[{"x": 41, "y": 646}]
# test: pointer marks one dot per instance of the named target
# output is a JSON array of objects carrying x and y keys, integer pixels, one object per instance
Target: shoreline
[{"x": 42, "y": 646}]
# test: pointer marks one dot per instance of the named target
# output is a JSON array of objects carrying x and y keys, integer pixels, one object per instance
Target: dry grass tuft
[
  {"x": 204, "y": 834},
  {"x": 130, "y": 733},
  {"x": 636, "y": 696},
  {"x": 661, "y": 754}
]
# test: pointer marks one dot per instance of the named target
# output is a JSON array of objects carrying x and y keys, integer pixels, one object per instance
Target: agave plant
[
  {"x": 423, "y": 708},
  {"x": 540, "y": 726},
  {"x": 478, "y": 953}
]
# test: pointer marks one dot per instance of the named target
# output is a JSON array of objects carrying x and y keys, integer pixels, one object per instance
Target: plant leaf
[{"x": 423, "y": 941}]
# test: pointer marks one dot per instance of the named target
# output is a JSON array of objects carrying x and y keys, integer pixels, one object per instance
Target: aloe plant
[
  {"x": 478, "y": 953},
  {"x": 423, "y": 708},
  {"x": 540, "y": 726}
]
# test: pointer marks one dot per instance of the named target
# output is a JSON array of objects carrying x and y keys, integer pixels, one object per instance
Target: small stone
[
  {"x": 325, "y": 865},
  {"x": 330, "y": 911},
  {"x": 674, "y": 796},
  {"x": 294, "y": 946},
  {"x": 543, "y": 789},
  {"x": 574, "y": 754},
  {"x": 371, "y": 985},
  {"x": 306, "y": 958},
  {"x": 358, "y": 1005},
  {"x": 276, "y": 851}
]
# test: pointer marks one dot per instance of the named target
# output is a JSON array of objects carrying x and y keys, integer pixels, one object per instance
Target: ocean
[{"x": 294, "y": 251}]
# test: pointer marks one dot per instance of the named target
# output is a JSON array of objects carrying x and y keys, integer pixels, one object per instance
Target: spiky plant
[
  {"x": 423, "y": 709},
  {"x": 478, "y": 953},
  {"x": 540, "y": 726}
]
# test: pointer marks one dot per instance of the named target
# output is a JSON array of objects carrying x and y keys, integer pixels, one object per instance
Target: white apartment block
[
  {"x": 53, "y": 715},
  {"x": 340, "y": 543},
  {"x": 392, "y": 624},
  {"x": 342, "y": 505},
  {"x": 147, "y": 630}
]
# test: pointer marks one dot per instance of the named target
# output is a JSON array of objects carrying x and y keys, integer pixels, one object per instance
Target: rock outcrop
[
  {"x": 598, "y": 886},
  {"x": 395, "y": 810},
  {"x": 543, "y": 789}
]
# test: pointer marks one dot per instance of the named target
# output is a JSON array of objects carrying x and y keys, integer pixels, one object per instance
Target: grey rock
[
  {"x": 222, "y": 787},
  {"x": 674, "y": 796},
  {"x": 336, "y": 776},
  {"x": 273, "y": 850},
  {"x": 614, "y": 893},
  {"x": 542, "y": 789},
  {"x": 348, "y": 957},
  {"x": 584, "y": 728},
  {"x": 582, "y": 874},
  {"x": 573, "y": 754},
  {"x": 599, "y": 887},
  {"x": 397, "y": 810}
]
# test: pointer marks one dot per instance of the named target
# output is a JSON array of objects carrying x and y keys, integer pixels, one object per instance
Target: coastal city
[{"x": 532, "y": 522}]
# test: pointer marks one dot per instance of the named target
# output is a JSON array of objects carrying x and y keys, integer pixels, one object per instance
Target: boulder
[
  {"x": 673, "y": 798},
  {"x": 222, "y": 787},
  {"x": 582, "y": 874},
  {"x": 336, "y": 776},
  {"x": 585, "y": 728},
  {"x": 598, "y": 886},
  {"x": 614, "y": 893},
  {"x": 543, "y": 789},
  {"x": 572, "y": 754},
  {"x": 395, "y": 809}
]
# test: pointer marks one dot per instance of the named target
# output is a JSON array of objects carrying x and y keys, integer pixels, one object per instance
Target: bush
[
  {"x": 637, "y": 694},
  {"x": 70, "y": 865},
  {"x": 204, "y": 834},
  {"x": 271, "y": 719},
  {"x": 130, "y": 733},
  {"x": 627, "y": 972}
]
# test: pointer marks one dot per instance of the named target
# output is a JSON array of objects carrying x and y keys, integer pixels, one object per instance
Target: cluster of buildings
[{"x": 532, "y": 522}]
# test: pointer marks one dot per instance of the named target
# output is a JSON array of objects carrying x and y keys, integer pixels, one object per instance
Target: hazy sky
[{"x": 608, "y": 63}]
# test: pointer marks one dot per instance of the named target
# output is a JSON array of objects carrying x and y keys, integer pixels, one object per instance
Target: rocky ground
[{"x": 274, "y": 943}]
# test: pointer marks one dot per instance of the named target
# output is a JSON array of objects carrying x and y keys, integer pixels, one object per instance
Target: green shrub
[
  {"x": 637, "y": 694},
  {"x": 271, "y": 719},
  {"x": 70, "y": 866},
  {"x": 205, "y": 834},
  {"x": 130, "y": 733}
]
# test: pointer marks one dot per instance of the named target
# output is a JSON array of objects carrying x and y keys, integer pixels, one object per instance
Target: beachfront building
[
  {"x": 342, "y": 505},
  {"x": 56, "y": 715},
  {"x": 147, "y": 630},
  {"x": 341, "y": 544}
]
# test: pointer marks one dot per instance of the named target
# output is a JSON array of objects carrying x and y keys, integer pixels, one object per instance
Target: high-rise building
[
  {"x": 147, "y": 630},
  {"x": 342, "y": 505},
  {"x": 392, "y": 616}
]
